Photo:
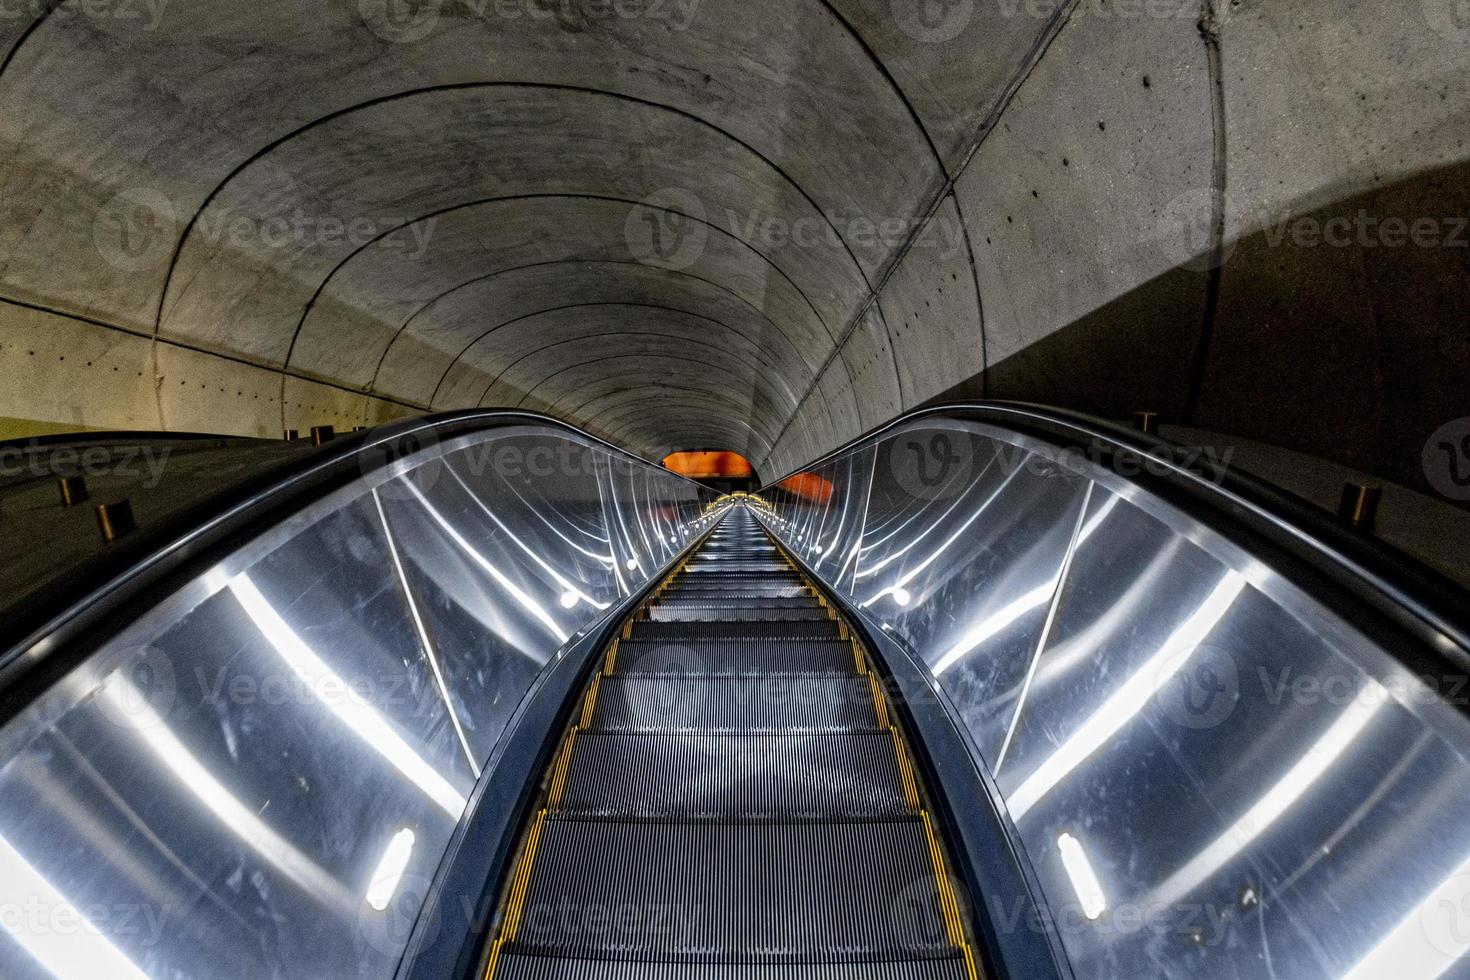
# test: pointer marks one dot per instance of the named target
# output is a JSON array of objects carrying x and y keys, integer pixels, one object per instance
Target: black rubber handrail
[
  {"x": 1366, "y": 580},
  {"x": 61, "y": 622}
]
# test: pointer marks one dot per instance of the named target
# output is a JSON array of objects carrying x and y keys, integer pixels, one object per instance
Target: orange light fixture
[
  {"x": 710, "y": 465},
  {"x": 810, "y": 486}
]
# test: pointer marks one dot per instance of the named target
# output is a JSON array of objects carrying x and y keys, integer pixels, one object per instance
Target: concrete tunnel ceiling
[{"x": 763, "y": 226}]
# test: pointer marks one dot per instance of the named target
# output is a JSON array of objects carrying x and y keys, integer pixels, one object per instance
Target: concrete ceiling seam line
[
  {"x": 837, "y": 355},
  {"x": 655, "y": 368},
  {"x": 702, "y": 429},
  {"x": 780, "y": 331},
  {"x": 196, "y": 349},
  {"x": 882, "y": 68},
  {"x": 619, "y": 391},
  {"x": 614, "y": 405},
  {"x": 488, "y": 334},
  {"x": 761, "y": 369},
  {"x": 1039, "y": 48},
  {"x": 627, "y": 413},
  {"x": 646, "y": 408},
  {"x": 755, "y": 368},
  {"x": 321, "y": 288},
  {"x": 472, "y": 86},
  {"x": 26, "y": 36},
  {"x": 656, "y": 391},
  {"x": 1043, "y": 42},
  {"x": 666, "y": 419},
  {"x": 676, "y": 437},
  {"x": 717, "y": 419},
  {"x": 696, "y": 424}
]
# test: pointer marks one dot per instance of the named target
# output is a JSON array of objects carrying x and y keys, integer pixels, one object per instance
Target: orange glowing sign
[
  {"x": 710, "y": 465},
  {"x": 810, "y": 486}
]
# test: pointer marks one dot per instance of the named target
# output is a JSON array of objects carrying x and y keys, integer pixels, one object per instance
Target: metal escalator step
[
  {"x": 734, "y": 777},
  {"x": 817, "y": 702},
  {"x": 722, "y": 655},
  {"x": 736, "y": 592},
  {"x": 737, "y": 580},
  {"x": 748, "y": 893},
  {"x": 748, "y": 613},
  {"x": 524, "y": 967},
  {"x": 802, "y": 629},
  {"x": 714, "y": 599}
]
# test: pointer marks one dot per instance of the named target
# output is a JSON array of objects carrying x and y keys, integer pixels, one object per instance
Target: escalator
[
  {"x": 405, "y": 705},
  {"x": 734, "y": 799}
]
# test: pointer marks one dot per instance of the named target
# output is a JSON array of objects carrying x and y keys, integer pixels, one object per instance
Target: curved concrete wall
[{"x": 764, "y": 226}]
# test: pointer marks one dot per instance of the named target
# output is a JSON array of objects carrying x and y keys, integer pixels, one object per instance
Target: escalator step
[
  {"x": 737, "y": 593},
  {"x": 734, "y": 777},
  {"x": 734, "y": 893},
  {"x": 522, "y": 967},
  {"x": 747, "y": 657},
  {"x": 814, "y": 703},
  {"x": 716, "y": 599},
  {"x": 750, "y": 613},
  {"x": 824, "y": 629}
]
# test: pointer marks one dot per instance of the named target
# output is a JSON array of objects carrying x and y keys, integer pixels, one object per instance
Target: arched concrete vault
[{"x": 805, "y": 215}]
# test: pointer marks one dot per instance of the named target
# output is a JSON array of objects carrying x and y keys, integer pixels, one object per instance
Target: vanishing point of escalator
[{"x": 733, "y": 800}]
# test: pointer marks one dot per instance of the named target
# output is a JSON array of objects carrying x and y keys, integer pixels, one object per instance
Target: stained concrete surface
[{"x": 241, "y": 218}]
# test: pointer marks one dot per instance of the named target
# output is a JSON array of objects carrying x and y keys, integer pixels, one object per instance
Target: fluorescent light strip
[
  {"x": 520, "y": 596},
  {"x": 1413, "y": 949},
  {"x": 993, "y": 625},
  {"x": 1129, "y": 699},
  {"x": 1313, "y": 764},
  {"x": 389, "y": 873},
  {"x": 370, "y": 726},
  {"x": 1083, "y": 877},
  {"x": 909, "y": 576},
  {"x": 82, "y": 952},
  {"x": 199, "y": 780},
  {"x": 959, "y": 499},
  {"x": 561, "y": 580}
]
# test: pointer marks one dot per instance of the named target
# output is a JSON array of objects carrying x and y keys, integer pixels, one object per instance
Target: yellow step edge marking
[
  {"x": 559, "y": 784},
  {"x": 879, "y": 704},
  {"x": 591, "y": 704},
  {"x": 941, "y": 884},
  {"x": 494, "y": 959},
  {"x": 970, "y": 963},
  {"x": 906, "y": 774},
  {"x": 628, "y": 629},
  {"x": 523, "y": 882},
  {"x": 947, "y": 900},
  {"x": 857, "y": 657},
  {"x": 612, "y": 657}
]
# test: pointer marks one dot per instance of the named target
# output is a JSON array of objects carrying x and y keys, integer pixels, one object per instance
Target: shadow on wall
[{"x": 1343, "y": 333}]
